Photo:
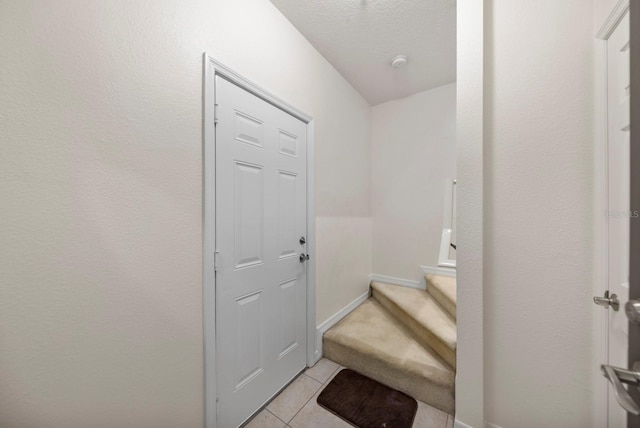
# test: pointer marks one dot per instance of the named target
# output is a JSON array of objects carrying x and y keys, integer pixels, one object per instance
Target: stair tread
[
  {"x": 424, "y": 309},
  {"x": 372, "y": 330},
  {"x": 445, "y": 285},
  {"x": 373, "y": 342}
]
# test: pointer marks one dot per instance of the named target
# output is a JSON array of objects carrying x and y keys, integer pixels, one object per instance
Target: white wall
[
  {"x": 538, "y": 213},
  {"x": 101, "y": 183},
  {"x": 413, "y": 152}
]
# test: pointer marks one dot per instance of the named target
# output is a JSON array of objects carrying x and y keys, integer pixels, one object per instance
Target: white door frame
[
  {"x": 211, "y": 69},
  {"x": 470, "y": 129},
  {"x": 601, "y": 197}
]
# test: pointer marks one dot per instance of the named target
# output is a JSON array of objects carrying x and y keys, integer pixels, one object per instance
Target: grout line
[
  {"x": 315, "y": 380},
  {"x": 314, "y": 394},
  {"x": 332, "y": 373},
  {"x": 322, "y": 384},
  {"x": 276, "y": 416},
  {"x": 307, "y": 402},
  {"x": 282, "y": 392}
]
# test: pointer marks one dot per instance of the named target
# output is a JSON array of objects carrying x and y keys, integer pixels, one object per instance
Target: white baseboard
[
  {"x": 458, "y": 424},
  {"x": 421, "y": 285},
  {"x": 333, "y": 320},
  {"x": 398, "y": 281},
  {"x": 439, "y": 271}
]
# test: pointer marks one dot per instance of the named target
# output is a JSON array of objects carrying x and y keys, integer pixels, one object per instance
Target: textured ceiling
[{"x": 360, "y": 37}]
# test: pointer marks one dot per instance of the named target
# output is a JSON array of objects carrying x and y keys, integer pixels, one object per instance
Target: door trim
[
  {"x": 601, "y": 230},
  {"x": 612, "y": 21},
  {"x": 471, "y": 134},
  {"x": 213, "y": 68}
]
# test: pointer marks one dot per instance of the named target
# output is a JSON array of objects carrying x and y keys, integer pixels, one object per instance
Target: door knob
[
  {"x": 607, "y": 301},
  {"x": 304, "y": 257},
  {"x": 632, "y": 308}
]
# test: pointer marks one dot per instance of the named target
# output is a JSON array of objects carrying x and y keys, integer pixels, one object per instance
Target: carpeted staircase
[{"x": 404, "y": 338}]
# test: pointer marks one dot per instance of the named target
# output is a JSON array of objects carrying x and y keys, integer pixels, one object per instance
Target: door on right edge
[{"x": 619, "y": 211}]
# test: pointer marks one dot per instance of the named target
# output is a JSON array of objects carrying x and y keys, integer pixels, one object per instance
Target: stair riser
[
  {"x": 424, "y": 335},
  {"x": 447, "y": 304},
  {"x": 413, "y": 384}
]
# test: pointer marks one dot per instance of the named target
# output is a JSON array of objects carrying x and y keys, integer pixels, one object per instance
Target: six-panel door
[{"x": 260, "y": 280}]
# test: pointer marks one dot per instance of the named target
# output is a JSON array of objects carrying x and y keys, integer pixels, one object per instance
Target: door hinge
[
  {"x": 215, "y": 114},
  {"x": 216, "y": 257}
]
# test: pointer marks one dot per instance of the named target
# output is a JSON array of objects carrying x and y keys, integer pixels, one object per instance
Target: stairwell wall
[{"x": 413, "y": 153}]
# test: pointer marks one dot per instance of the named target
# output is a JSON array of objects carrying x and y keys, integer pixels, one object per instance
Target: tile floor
[{"x": 296, "y": 406}]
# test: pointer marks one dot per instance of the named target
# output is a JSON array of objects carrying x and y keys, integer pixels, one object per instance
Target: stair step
[
  {"x": 422, "y": 314},
  {"x": 443, "y": 289},
  {"x": 373, "y": 342}
]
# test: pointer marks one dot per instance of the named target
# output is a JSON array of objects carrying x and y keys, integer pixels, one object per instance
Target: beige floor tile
[
  {"x": 323, "y": 370},
  {"x": 450, "y": 421},
  {"x": 429, "y": 417},
  {"x": 291, "y": 400},
  {"x": 314, "y": 416},
  {"x": 264, "y": 419}
]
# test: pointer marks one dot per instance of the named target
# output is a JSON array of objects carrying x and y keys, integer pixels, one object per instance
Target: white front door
[
  {"x": 260, "y": 277},
  {"x": 619, "y": 205}
]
